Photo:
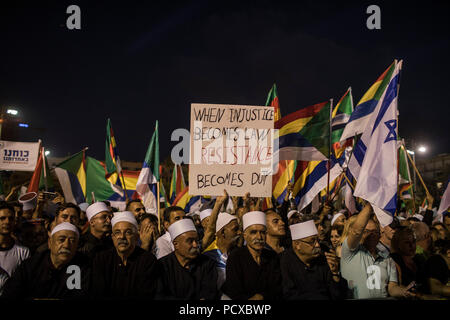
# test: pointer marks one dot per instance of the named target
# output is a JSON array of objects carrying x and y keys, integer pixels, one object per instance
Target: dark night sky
[{"x": 136, "y": 62}]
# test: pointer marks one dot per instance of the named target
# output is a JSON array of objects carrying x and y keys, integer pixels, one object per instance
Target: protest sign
[
  {"x": 231, "y": 148},
  {"x": 18, "y": 156}
]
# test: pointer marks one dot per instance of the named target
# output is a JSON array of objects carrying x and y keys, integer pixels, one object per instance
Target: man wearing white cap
[
  {"x": 187, "y": 274},
  {"x": 339, "y": 218},
  {"x": 98, "y": 237},
  {"x": 125, "y": 271},
  {"x": 253, "y": 272},
  {"x": 306, "y": 274},
  {"x": 61, "y": 272},
  {"x": 164, "y": 244},
  {"x": 227, "y": 237},
  {"x": 12, "y": 254}
]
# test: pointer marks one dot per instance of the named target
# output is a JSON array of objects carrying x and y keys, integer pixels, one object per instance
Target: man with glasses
[
  {"x": 370, "y": 273},
  {"x": 97, "y": 238},
  {"x": 125, "y": 271},
  {"x": 306, "y": 273}
]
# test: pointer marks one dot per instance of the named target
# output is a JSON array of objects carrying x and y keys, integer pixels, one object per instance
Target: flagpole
[
  {"x": 124, "y": 186},
  {"x": 45, "y": 169},
  {"x": 329, "y": 153},
  {"x": 157, "y": 201},
  {"x": 418, "y": 173}
]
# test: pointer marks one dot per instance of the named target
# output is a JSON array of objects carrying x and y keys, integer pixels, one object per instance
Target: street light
[
  {"x": 422, "y": 149},
  {"x": 410, "y": 152},
  {"x": 12, "y": 112},
  {"x": 47, "y": 152}
]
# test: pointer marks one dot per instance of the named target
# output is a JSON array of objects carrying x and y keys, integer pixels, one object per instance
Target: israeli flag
[{"x": 375, "y": 155}]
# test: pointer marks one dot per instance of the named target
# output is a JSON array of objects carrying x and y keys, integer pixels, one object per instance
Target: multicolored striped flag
[
  {"x": 177, "y": 183},
  {"x": 311, "y": 177},
  {"x": 305, "y": 134},
  {"x": 71, "y": 174},
  {"x": 101, "y": 189},
  {"x": 186, "y": 201},
  {"x": 340, "y": 116},
  {"x": 404, "y": 176},
  {"x": 280, "y": 180},
  {"x": 113, "y": 168},
  {"x": 361, "y": 115},
  {"x": 272, "y": 100},
  {"x": 41, "y": 178},
  {"x": 149, "y": 177}
]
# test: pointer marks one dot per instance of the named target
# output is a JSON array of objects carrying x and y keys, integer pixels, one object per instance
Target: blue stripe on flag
[
  {"x": 363, "y": 109},
  {"x": 391, "y": 94},
  {"x": 359, "y": 152}
]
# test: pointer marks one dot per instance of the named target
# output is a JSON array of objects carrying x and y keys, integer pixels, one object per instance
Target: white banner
[{"x": 18, "y": 156}]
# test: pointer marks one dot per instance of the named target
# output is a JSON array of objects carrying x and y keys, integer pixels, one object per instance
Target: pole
[
  {"x": 45, "y": 169},
  {"x": 157, "y": 201},
  {"x": 418, "y": 173},
  {"x": 329, "y": 153}
]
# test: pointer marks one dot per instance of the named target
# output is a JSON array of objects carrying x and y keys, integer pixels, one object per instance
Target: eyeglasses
[
  {"x": 104, "y": 217},
  {"x": 311, "y": 242},
  {"x": 118, "y": 233}
]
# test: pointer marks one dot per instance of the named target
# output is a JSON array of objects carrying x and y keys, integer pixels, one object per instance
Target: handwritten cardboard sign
[{"x": 231, "y": 148}]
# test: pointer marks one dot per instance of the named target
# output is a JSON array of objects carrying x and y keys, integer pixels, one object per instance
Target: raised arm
[
  {"x": 356, "y": 231},
  {"x": 210, "y": 231}
]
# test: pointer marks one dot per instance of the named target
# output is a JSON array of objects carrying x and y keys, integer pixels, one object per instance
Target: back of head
[
  {"x": 400, "y": 234},
  {"x": 420, "y": 230}
]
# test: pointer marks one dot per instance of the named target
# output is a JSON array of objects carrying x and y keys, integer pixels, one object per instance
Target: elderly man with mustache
[
  {"x": 125, "y": 271},
  {"x": 58, "y": 273},
  {"x": 252, "y": 271},
  {"x": 306, "y": 273},
  {"x": 187, "y": 274}
]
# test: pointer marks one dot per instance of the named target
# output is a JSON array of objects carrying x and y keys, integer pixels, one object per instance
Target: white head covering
[
  {"x": 205, "y": 213},
  {"x": 83, "y": 206},
  {"x": 418, "y": 216},
  {"x": 124, "y": 216},
  {"x": 303, "y": 230},
  {"x": 290, "y": 213},
  {"x": 96, "y": 208},
  {"x": 28, "y": 201},
  {"x": 253, "y": 217},
  {"x": 180, "y": 227},
  {"x": 337, "y": 215},
  {"x": 401, "y": 218},
  {"x": 65, "y": 226},
  {"x": 223, "y": 219}
]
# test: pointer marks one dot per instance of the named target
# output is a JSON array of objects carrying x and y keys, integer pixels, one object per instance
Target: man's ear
[{"x": 175, "y": 244}]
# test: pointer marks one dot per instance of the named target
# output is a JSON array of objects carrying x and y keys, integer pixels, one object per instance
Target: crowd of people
[{"x": 230, "y": 249}]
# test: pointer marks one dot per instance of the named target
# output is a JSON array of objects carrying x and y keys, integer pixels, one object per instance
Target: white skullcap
[
  {"x": 180, "y": 227},
  {"x": 65, "y": 226},
  {"x": 335, "y": 217},
  {"x": 303, "y": 230},
  {"x": 96, "y": 208},
  {"x": 83, "y": 206},
  {"x": 124, "y": 216},
  {"x": 401, "y": 218},
  {"x": 253, "y": 217},
  {"x": 223, "y": 219},
  {"x": 418, "y": 216},
  {"x": 290, "y": 213},
  {"x": 205, "y": 213},
  {"x": 28, "y": 201}
]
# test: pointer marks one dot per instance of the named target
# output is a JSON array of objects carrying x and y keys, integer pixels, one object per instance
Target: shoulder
[
  {"x": 145, "y": 255},
  {"x": 21, "y": 249}
]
